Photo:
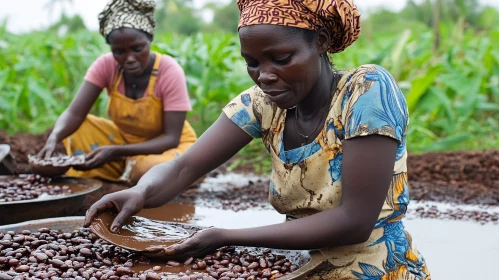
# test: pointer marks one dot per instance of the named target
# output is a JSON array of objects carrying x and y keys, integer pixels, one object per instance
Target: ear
[{"x": 323, "y": 40}]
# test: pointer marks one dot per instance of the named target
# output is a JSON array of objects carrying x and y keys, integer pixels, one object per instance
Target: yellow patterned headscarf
[
  {"x": 136, "y": 14},
  {"x": 340, "y": 17}
]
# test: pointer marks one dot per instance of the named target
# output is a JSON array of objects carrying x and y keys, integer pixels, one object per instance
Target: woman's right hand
[
  {"x": 127, "y": 203},
  {"x": 49, "y": 148}
]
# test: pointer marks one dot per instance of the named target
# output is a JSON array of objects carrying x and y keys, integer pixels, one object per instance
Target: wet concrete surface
[
  {"x": 457, "y": 249},
  {"x": 452, "y": 249}
]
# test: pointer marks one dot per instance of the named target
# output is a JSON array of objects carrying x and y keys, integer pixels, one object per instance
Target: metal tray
[
  {"x": 307, "y": 260},
  {"x": 48, "y": 206}
]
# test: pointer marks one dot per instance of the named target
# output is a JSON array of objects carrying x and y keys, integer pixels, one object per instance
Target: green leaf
[
  {"x": 420, "y": 86},
  {"x": 46, "y": 97},
  {"x": 447, "y": 142}
]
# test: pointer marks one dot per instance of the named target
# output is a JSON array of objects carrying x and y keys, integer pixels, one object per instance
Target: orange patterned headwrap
[{"x": 340, "y": 17}]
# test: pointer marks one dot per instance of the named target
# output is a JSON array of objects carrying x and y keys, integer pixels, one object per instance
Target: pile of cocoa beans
[
  {"x": 29, "y": 187},
  {"x": 51, "y": 254}
]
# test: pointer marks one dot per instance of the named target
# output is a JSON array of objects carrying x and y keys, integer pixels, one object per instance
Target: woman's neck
[{"x": 318, "y": 95}]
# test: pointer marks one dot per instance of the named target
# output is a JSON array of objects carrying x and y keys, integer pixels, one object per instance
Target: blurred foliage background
[{"x": 443, "y": 53}]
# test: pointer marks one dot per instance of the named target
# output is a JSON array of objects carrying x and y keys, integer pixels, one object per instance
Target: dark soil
[
  {"x": 458, "y": 177},
  {"x": 254, "y": 195}
]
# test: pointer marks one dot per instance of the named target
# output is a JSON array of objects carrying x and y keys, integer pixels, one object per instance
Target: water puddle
[
  {"x": 443, "y": 243},
  {"x": 204, "y": 216}
]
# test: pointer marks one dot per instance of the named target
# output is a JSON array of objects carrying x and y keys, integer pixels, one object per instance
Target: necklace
[
  {"x": 317, "y": 111},
  {"x": 320, "y": 119}
]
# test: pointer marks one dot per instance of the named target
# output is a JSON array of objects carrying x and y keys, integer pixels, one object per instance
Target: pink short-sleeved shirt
[{"x": 171, "y": 85}]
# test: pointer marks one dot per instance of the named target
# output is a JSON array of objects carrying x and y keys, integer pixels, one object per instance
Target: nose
[
  {"x": 130, "y": 58},
  {"x": 267, "y": 77}
]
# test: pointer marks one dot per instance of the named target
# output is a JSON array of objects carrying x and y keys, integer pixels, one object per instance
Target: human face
[
  {"x": 281, "y": 62},
  {"x": 131, "y": 49}
]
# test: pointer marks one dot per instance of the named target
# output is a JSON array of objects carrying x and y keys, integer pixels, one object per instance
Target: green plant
[{"x": 452, "y": 92}]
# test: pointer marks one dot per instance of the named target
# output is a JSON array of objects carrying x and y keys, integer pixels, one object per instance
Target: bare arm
[
  {"x": 367, "y": 171},
  {"x": 165, "y": 181},
  {"x": 217, "y": 145},
  {"x": 71, "y": 119}
]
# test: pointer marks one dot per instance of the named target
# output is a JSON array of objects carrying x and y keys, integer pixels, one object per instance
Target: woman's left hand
[
  {"x": 199, "y": 245},
  {"x": 98, "y": 157}
]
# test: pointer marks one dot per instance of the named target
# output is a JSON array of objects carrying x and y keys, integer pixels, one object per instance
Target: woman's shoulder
[
  {"x": 169, "y": 64},
  {"x": 373, "y": 103},
  {"x": 256, "y": 97},
  {"x": 106, "y": 58},
  {"x": 255, "y": 91},
  {"x": 252, "y": 98},
  {"x": 366, "y": 73},
  {"x": 102, "y": 71}
]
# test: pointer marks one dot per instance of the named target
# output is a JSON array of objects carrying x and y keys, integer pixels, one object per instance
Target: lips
[
  {"x": 276, "y": 96},
  {"x": 132, "y": 68}
]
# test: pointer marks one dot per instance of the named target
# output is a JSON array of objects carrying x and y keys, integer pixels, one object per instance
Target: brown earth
[{"x": 460, "y": 177}]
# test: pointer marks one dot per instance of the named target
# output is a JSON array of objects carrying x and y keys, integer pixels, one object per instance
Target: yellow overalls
[{"x": 132, "y": 121}]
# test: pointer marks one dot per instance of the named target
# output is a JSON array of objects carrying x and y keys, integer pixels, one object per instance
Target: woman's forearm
[
  {"x": 71, "y": 119},
  {"x": 325, "y": 229},
  {"x": 165, "y": 181},
  {"x": 65, "y": 125}
]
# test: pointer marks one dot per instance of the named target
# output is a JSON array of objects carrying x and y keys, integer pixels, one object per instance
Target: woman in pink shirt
[{"x": 148, "y": 102}]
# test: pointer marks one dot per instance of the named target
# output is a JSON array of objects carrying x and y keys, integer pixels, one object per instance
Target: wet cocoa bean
[
  {"x": 201, "y": 264},
  {"x": 22, "y": 268},
  {"x": 188, "y": 261},
  {"x": 153, "y": 276},
  {"x": 175, "y": 263},
  {"x": 253, "y": 265}
]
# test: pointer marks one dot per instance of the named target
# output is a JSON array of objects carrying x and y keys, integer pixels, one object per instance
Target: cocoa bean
[
  {"x": 22, "y": 268},
  {"x": 175, "y": 263},
  {"x": 253, "y": 265},
  {"x": 188, "y": 261}
]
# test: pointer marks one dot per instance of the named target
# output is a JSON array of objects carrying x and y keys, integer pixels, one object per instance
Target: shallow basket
[{"x": 49, "y": 206}]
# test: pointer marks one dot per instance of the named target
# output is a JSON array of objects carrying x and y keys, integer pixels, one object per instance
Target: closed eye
[
  {"x": 118, "y": 51},
  {"x": 252, "y": 64},
  {"x": 283, "y": 61}
]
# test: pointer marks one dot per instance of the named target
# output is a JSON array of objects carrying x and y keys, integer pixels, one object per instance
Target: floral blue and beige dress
[{"x": 307, "y": 180}]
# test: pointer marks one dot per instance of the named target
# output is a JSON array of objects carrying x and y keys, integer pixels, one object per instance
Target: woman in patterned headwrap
[
  {"x": 148, "y": 102},
  {"x": 337, "y": 142}
]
